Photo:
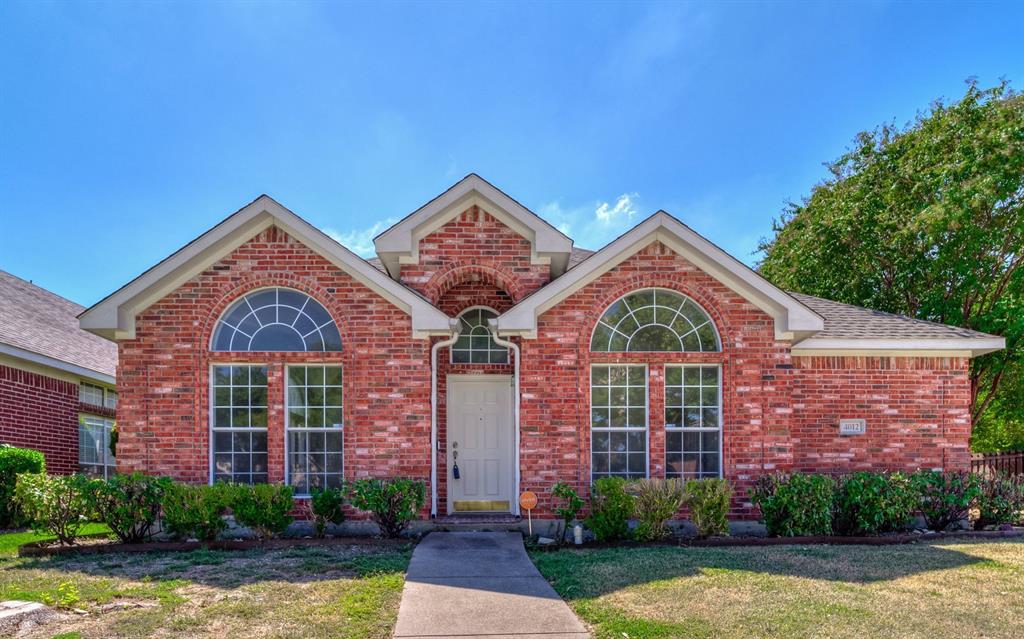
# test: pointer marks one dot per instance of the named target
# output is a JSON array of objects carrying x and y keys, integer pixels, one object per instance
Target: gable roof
[
  {"x": 114, "y": 316},
  {"x": 400, "y": 243},
  {"x": 39, "y": 326},
  {"x": 793, "y": 320},
  {"x": 864, "y": 329}
]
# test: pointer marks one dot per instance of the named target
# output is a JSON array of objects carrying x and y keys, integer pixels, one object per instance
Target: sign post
[{"x": 528, "y": 501}]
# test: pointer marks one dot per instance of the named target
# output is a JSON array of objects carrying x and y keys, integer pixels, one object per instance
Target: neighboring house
[
  {"x": 57, "y": 391},
  {"x": 482, "y": 339}
]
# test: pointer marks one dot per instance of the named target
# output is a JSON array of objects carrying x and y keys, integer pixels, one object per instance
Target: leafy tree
[{"x": 927, "y": 221}]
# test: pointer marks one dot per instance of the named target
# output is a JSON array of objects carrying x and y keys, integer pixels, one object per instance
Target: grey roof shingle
[
  {"x": 36, "y": 320},
  {"x": 845, "y": 321}
]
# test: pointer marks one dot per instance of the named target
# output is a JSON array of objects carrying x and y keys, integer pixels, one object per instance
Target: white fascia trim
[
  {"x": 951, "y": 347},
  {"x": 114, "y": 317},
  {"x": 793, "y": 319},
  {"x": 400, "y": 243},
  {"x": 61, "y": 365}
]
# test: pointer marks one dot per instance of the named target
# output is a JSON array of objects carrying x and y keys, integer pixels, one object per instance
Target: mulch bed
[{"x": 92, "y": 545}]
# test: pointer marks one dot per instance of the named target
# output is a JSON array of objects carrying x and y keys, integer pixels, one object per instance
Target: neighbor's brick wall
[
  {"x": 163, "y": 376},
  {"x": 40, "y": 412},
  {"x": 917, "y": 412},
  {"x": 474, "y": 247}
]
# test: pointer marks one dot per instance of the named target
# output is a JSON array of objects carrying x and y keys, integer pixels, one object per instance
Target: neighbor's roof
[{"x": 38, "y": 325}]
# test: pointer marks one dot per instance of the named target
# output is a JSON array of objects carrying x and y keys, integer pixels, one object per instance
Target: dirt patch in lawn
[{"x": 336, "y": 591}]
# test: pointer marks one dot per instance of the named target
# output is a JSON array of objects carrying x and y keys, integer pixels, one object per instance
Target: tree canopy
[{"x": 927, "y": 220}]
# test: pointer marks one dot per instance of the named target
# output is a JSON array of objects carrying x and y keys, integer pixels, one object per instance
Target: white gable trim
[
  {"x": 114, "y": 317},
  {"x": 793, "y": 320},
  {"x": 400, "y": 243},
  {"x": 943, "y": 347}
]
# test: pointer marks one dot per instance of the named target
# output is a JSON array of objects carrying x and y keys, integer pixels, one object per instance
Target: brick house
[
  {"x": 485, "y": 354},
  {"x": 56, "y": 380}
]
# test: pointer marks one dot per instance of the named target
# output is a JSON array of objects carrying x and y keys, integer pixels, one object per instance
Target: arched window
[
  {"x": 655, "y": 320},
  {"x": 476, "y": 345},
  {"x": 276, "y": 319}
]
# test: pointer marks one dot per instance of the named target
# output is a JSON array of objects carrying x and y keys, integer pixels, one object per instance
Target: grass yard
[
  {"x": 329, "y": 591},
  {"x": 948, "y": 590}
]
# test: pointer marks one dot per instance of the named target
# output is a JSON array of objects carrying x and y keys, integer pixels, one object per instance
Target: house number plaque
[{"x": 849, "y": 427}]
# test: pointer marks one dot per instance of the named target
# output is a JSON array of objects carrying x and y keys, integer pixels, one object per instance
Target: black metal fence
[{"x": 993, "y": 463}]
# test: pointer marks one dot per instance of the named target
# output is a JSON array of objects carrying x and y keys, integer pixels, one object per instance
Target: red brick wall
[
  {"x": 164, "y": 372},
  {"x": 40, "y": 412},
  {"x": 917, "y": 412},
  {"x": 474, "y": 247}
]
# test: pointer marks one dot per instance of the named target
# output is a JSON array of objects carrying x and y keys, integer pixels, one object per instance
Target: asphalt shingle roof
[
  {"x": 36, "y": 320},
  {"x": 845, "y": 321}
]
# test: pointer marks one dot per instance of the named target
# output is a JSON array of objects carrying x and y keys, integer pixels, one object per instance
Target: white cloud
[
  {"x": 360, "y": 241},
  {"x": 593, "y": 225}
]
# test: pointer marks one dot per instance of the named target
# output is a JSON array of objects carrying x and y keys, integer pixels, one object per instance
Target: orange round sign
[{"x": 528, "y": 500}]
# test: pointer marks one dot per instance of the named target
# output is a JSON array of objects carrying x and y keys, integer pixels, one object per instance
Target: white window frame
[
  {"x": 288, "y": 429},
  {"x": 211, "y": 419},
  {"x": 702, "y": 429},
  {"x": 647, "y": 417},
  {"x": 110, "y": 399},
  {"x": 88, "y": 385},
  {"x": 452, "y": 349},
  {"x": 654, "y": 289},
  {"x": 109, "y": 461}
]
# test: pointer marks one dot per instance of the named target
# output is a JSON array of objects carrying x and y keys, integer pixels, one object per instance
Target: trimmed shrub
[
  {"x": 795, "y": 505},
  {"x": 327, "y": 507},
  {"x": 196, "y": 512},
  {"x": 655, "y": 501},
  {"x": 610, "y": 509},
  {"x": 13, "y": 462},
  {"x": 568, "y": 506},
  {"x": 128, "y": 504},
  {"x": 263, "y": 508},
  {"x": 57, "y": 505},
  {"x": 945, "y": 497},
  {"x": 1000, "y": 501},
  {"x": 392, "y": 502},
  {"x": 708, "y": 500},
  {"x": 869, "y": 503}
]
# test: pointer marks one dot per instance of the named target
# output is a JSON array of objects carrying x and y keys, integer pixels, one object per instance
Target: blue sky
[{"x": 126, "y": 130}]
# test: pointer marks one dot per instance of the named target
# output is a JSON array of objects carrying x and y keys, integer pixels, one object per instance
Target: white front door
[{"x": 480, "y": 444}]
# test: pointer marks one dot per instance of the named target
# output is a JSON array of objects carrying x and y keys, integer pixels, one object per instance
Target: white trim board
[
  {"x": 793, "y": 320},
  {"x": 114, "y": 316},
  {"x": 400, "y": 244},
  {"x": 60, "y": 365}
]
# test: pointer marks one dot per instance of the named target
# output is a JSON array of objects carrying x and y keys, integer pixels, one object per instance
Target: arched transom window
[
  {"x": 655, "y": 319},
  {"x": 476, "y": 345},
  {"x": 276, "y": 319}
]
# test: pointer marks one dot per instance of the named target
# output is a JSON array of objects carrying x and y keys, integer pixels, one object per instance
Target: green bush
[
  {"x": 196, "y": 512},
  {"x": 128, "y": 504},
  {"x": 392, "y": 502},
  {"x": 795, "y": 505},
  {"x": 327, "y": 507},
  {"x": 869, "y": 503},
  {"x": 54, "y": 504},
  {"x": 567, "y": 508},
  {"x": 610, "y": 509},
  {"x": 13, "y": 462},
  {"x": 1000, "y": 500},
  {"x": 655, "y": 501},
  {"x": 708, "y": 500},
  {"x": 945, "y": 497},
  {"x": 263, "y": 508}
]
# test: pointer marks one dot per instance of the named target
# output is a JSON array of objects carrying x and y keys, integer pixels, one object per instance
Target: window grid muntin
[
  {"x": 325, "y": 329},
  {"x": 477, "y": 333},
  {"x": 694, "y": 377},
  {"x": 327, "y": 385},
  {"x": 656, "y": 309},
  {"x": 90, "y": 394},
  {"x": 94, "y": 456},
  {"x": 247, "y": 443},
  {"x": 636, "y": 425}
]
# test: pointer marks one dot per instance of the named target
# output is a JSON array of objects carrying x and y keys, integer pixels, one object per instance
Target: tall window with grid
[
  {"x": 239, "y": 426},
  {"x": 315, "y": 425},
  {"x": 693, "y": 421},
  {"x": 618, "y": 421}
]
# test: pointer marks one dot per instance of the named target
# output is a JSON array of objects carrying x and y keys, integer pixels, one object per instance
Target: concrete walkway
[{"x": 480, "y": 584}]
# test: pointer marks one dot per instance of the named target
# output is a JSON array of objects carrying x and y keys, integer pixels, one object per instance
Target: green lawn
[
  {"x": 330, "y": 591},
  {"x": 9, "y": 542},
  {"x": 930, "y": 591}
]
